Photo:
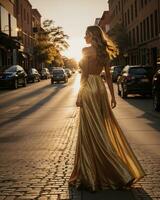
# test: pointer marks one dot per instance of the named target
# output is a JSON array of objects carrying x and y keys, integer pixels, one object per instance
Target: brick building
[
  {"x": 36, "y": 26},
  {"x": 142, "y": 21},
  {"x": 104, "y": 22},
  {"x": 24, "y": 22},
  {"x": 97, "y": 21},
  {"x": 8, "y": 34}
]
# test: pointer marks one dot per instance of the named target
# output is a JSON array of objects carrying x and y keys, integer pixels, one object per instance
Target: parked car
[
  {"x": 135, "y": 79},
  {"x": 115, "y": 72},
  {"x": 156, "y": 90},
  {"x": 58, "y": 75},
  {"x": 45, "y": 74},
  {"x": 33, "y": 75},
  {"x": 68, "y": 72},
  {"x": 13, "y": 77}
]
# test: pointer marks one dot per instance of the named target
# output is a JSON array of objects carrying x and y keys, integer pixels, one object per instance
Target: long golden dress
[{"x": 103, "y": 156}]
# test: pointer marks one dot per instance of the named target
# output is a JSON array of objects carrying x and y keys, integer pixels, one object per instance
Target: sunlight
[
  {"x": 75, "y": 49},
  {"x": 76, "y": 85}
]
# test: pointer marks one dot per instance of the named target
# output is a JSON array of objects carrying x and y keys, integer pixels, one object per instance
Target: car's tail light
[{"x": 129, "y": 77}]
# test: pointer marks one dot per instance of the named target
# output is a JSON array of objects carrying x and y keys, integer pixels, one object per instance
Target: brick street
[{"x": 38, "y": 132}]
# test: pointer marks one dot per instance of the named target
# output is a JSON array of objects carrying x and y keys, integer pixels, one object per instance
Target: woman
[{"x": 103, "y": 156}]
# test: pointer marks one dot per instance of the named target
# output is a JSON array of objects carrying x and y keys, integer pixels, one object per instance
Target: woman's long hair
[{"x": 106, "y": 49}]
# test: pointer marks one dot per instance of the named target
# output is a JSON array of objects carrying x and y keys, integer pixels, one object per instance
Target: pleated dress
[{"x": 103, "y": 158}]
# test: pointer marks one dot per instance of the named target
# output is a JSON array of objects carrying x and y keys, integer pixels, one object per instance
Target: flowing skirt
[{"x": 103, "y": 156}]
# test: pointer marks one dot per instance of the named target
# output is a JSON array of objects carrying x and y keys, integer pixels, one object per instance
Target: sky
[{"x": 74, "y": 16}]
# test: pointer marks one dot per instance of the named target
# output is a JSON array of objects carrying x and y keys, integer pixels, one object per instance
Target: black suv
[
  {"x": 135, "y": 79},
  {"x": 58, "y": 75},
  {"x": 156, "y": 90}
]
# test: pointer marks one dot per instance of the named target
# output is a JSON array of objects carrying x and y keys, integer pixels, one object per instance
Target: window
[
  {"x": 125, "y": 19},
  {"x": 156, "y": 22},
  {"x": 144, "y": 29},
  {"x": 119, "y": 5},
  {"x": 148, "y": 29},
  {"x": 141, "y": 3},
  {"x": 133, "y": 33},
  {"x": 128, "y": 16},
  {"x": 130, "y": 38},
  {"x": 24, "y": 14},
  {"x": 141, "y": 29},
  {"x": 151, "y": 23},
  {"x": 27, "y": 18},
  {"x": 116, "y": 9},
  {"x": 4, "y": 15},
  {"x": 135, "y": 6},
  {"x": 132, "y": 12},
  {"x": 137, "y": 33}
]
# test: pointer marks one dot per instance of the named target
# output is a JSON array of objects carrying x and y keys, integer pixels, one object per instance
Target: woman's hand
[
  {"x": 113, "y": 102},
  {"x": 79, "y": 102}
]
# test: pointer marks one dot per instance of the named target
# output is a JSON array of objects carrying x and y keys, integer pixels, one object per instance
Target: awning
[{"x": 8, "y": 42}]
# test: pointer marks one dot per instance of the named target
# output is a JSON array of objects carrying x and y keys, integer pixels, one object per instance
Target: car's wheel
[
  {"x": 156, "y": 102},
  {"x": 39, "y": 79},
  {"x": 15, "y": 84},
  {"x": 25, "y": 82},
  {"x": 124, "y": 92}
]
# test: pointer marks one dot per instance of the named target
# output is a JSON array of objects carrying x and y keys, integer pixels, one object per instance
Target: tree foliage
[
  {"x": 119, "y": 35},
  {"x": 70, "y": 63},
  {"x": 50, "y": 41}
]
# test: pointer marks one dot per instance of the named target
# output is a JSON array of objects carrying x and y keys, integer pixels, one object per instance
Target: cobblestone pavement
[
  {"x": 37, "y": 142},
  {"x": 40, "y": 171},
  {"x": 37, "y": 154}
]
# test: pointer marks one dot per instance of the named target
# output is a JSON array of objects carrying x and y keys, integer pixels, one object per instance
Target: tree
[
  {"x": 70, "y": 63},
  {"x": 51, "y": 40},
  {"x": 119, "y": 35},
  {"x": 56, "y": 35}
]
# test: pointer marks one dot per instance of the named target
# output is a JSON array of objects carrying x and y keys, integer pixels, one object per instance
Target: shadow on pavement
[
  {"x": 132, "y": 194},
  {"x": 145, "y": 104},
  {"x": 33, "y": 108},
  {"x": 31, "y": 94},
  {"x": 140, "y": 194}
]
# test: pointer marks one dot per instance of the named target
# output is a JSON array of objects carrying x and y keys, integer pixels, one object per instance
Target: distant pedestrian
[{"x": 103, "y": 156}]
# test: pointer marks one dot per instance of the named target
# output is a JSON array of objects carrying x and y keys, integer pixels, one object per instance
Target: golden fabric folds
[{"x": 103, "y": 156}]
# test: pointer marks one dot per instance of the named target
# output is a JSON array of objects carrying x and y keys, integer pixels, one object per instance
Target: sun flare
[
  {"x": 76, "y": 85},
  {"x": 75, "y": 49}
]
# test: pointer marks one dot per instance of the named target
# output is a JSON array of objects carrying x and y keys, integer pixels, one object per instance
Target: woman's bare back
[{"x": 91, "y": 63}]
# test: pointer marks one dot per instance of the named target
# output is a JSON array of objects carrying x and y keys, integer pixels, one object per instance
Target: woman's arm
[
  {"x": 84, "y": 76},
  {"x": 110, "y": 86},
  {"x": 82, "y": 85}
]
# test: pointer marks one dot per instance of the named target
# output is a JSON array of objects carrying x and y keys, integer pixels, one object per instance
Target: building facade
[
  {"x": 104, "y": 22},
  {"x": 36, "y": 26},
  {"x": 25, "y": 34},
  {"x": 141, "y": 18},
  {"x": 97, "y": 21},
  {"x": 8, "y": 34}
]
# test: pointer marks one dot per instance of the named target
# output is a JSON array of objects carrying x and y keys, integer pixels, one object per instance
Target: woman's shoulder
[{"x": 88, "y": 51}]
